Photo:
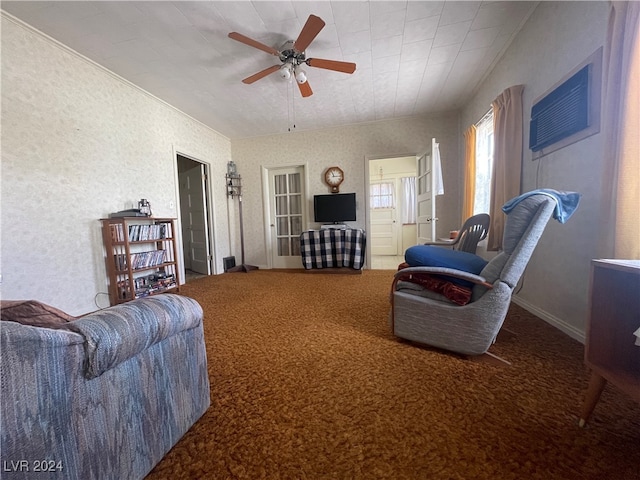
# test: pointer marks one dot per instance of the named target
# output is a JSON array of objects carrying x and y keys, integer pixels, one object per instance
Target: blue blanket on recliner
[{"x": 566, "y": 202}]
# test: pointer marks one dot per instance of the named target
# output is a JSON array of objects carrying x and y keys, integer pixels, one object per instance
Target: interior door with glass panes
[{"x": 287, "y": 200}]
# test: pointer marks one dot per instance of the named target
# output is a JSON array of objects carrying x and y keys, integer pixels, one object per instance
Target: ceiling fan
[{"x": 292, "y": 56}]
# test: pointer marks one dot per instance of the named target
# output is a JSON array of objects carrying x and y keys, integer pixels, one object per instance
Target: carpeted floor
[{"x": 308, "y": 383}]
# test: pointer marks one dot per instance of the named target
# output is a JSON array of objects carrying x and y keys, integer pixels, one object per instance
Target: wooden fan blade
[
  {"x": 305, "y": 89},
  {"x": 253, "y": 43},
  {"x": 310, "y": 31},
  {"x": 261, "y": 74},
  {"x": 335, "y": 65}
]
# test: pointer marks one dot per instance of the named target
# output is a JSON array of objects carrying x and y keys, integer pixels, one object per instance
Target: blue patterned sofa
[{"x": 104, "y": 396}]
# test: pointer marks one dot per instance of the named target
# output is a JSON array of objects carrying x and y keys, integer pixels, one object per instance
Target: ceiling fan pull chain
[
  {"x": 288, "y": 109},
  {"x": 290, "y": 96},
  {"x": 293, "y": 103}
]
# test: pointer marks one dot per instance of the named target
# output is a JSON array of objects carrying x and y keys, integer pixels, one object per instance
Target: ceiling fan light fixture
[
  {"x": 285, "y": 71},
  {"x": 293, "y": 56},
  {"x": 301, "y": 75}
]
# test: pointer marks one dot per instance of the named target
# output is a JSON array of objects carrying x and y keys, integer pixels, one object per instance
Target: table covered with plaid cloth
[{"x": 332, "y": 248}]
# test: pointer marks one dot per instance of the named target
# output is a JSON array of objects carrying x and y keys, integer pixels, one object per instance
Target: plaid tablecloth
[{"x": 333, "y": 248}]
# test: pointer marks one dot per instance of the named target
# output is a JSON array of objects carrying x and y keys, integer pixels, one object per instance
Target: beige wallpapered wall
[
  {"x": 556, "y": 38},
  {"x": 78, "y": 143},
  {"x": 347, "y": 147}
]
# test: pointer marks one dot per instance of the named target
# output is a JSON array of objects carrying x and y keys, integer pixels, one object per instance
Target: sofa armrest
[{"x": 118, "y": 333}]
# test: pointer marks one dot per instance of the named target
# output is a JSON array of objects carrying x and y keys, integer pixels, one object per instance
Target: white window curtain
[
  {"x": 620, "y": 229},
  {"x": 382, "y": 195},
  {"x": 409, "y": 199}
]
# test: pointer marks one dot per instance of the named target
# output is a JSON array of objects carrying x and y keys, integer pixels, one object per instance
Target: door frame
[
  {"x": 266, "y": 204},
  {"x": 367, "y": 192},
  {"x": 210, "y": 211}
]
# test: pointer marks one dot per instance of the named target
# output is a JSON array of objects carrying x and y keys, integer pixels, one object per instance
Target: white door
[
  {"x": 195, "y": 229},
  {"x": 383, "y": 222},
  {"x": 287, "y": 201},
  {"x": 426, "y": 197}
]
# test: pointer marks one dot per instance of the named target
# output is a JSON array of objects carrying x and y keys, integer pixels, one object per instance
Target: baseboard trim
[{"x": 560, "y": 324}]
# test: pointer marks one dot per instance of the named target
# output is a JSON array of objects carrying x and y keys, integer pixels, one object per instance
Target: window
[
  {"x": 484, "y": 163},
  {"x": 381, "y": 195}
]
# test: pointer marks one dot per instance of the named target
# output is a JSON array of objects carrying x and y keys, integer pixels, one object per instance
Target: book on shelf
[
  {"x": 141, "y": 233},
  {"x": 140, "y": 260},
  {"x": 124, "y": 292},
  {"x": 120, "y": 260},
  {"x": 117, "y": 233},
  {"x": 147, "y": 285},
  {"x": 154, "y": 283}
]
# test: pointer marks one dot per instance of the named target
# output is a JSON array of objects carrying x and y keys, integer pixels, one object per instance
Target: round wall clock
[{"x": 333, "y": 177}]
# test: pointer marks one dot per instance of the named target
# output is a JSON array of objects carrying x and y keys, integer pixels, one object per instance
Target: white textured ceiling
[{"x": 412, "y": 57}]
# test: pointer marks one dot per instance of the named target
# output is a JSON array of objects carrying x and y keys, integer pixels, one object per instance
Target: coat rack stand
[{"x": 234, "y": 189}]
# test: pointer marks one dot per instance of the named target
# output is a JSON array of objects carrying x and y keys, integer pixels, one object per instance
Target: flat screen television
[{"x": 334, "y": 208}]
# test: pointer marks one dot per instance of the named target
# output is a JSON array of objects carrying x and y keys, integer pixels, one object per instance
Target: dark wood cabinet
[{"x": 611, "y": 349}]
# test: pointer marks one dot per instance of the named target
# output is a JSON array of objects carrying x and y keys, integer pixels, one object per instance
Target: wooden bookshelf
[{"x": 140, "y": 256}]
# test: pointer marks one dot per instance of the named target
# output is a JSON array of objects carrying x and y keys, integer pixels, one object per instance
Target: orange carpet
[{"x": 308, "y": 383}]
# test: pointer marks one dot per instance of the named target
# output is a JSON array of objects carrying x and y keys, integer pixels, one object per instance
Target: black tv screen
[{"x": 334, "y": 208}]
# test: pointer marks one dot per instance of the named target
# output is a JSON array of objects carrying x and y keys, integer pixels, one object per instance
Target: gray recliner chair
[{"x": 426, "y": 317}]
